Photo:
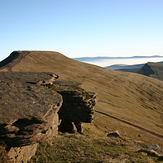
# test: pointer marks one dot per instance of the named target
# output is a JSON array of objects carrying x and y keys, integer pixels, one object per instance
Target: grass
[
  {"x": 133, "y": 97},
  {"x": 128, "y": 96},
  {"x": 75, "y": 148}
]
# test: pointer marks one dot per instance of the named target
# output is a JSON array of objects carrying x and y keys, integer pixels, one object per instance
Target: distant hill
[
  {"x": 128, "y": 102},
  {"x": 126, "y": 68},
  {"x": 152, "y": 69}
]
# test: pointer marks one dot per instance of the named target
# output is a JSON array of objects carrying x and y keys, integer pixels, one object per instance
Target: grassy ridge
[
  {"x": 132, "y": 97},
  {"x": 152, "y": 69}
]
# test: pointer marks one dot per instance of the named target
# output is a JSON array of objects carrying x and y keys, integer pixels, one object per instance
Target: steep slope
[
  {"x": 133, "y": 98},
  {"x": 152, "y": 69}
]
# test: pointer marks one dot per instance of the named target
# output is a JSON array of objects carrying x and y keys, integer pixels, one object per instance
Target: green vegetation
[
  {"x": 86, "y": 95},
  {"x": 51, "y": 86}
]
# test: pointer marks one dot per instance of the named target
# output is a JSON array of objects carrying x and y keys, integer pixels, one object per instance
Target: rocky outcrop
[
  {"x": 77, "y": 107},
  {"x": 78, "y": 104},
  {"x": 41, "y": 78},
  {"x": 22, "y": 154},
  {"x": 151, "y": 153},
  {"x": 114, "y": 134},
  {"x": 27, "y": 112},
  {"x": 31, "y": 112},
  {"x": 28, "y": 116}
]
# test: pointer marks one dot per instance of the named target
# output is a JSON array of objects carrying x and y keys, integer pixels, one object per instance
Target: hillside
[
  {"x": 152, "y": 69},
  {"x": 126, "y": 68},
  {"x": 127, "y": 102}
]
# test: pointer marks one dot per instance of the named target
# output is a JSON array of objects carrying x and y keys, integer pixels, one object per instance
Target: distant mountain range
[{"x": 100, "y": 58}]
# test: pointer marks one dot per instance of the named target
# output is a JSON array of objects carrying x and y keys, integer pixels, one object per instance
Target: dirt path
[{"x": 133, "y": 125}]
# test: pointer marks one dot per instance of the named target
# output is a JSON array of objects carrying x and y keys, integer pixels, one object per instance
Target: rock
[
  {"x": 66, "y": 126},
  {"x": 69, "y": 126},
  {"x": 79, "y": 127},
  {"x": 156, "y": 148},
  {"x": 28, "y": 113},
  {"x": 151, "y": 153},
  {"x": 114, "y": 134},
  {"x": 77, "y": 103},
  {"x": 77, "y": 107},
  {"x": 39, "y": 78},
  {"x": 22, "y": 154}
]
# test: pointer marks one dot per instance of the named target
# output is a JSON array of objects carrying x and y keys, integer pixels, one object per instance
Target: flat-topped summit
[{"x": 16, "y": 57}]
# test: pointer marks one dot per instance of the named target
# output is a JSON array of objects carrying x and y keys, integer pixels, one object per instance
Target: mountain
[
  {"x": 128, "y": 102},
  {"x": 101, "y": 58},
  {"x": 126, "y": 68},
  {"x": 152, "y": 69},
  {"x": 116, "y": 66}
]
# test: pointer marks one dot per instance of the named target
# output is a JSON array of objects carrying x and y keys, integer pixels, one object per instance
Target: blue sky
[{"x": 80, "y": 28}]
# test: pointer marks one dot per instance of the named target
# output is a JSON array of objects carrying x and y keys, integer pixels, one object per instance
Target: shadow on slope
[
  {"x": 9, "y": 59},
  {"x": 152, "y": 69}
]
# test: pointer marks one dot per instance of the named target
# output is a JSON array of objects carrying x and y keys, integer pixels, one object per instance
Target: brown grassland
[{"x": 131, "y": 103}]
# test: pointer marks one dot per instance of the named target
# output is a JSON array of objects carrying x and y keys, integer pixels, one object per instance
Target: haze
[
  {"x": 81, "y": 28},
  {"x": 131, "y": 61}
]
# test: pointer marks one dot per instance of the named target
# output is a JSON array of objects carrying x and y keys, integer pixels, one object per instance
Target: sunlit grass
[{"x": 75, "y": 148}]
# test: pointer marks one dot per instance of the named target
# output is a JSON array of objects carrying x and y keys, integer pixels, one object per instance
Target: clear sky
[{"x": 80, "y": 28}]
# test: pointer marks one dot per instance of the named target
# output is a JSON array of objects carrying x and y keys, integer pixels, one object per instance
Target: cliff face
[
  {"x": 78, "y": 104},
  {"x": 77, "y": 107}
]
